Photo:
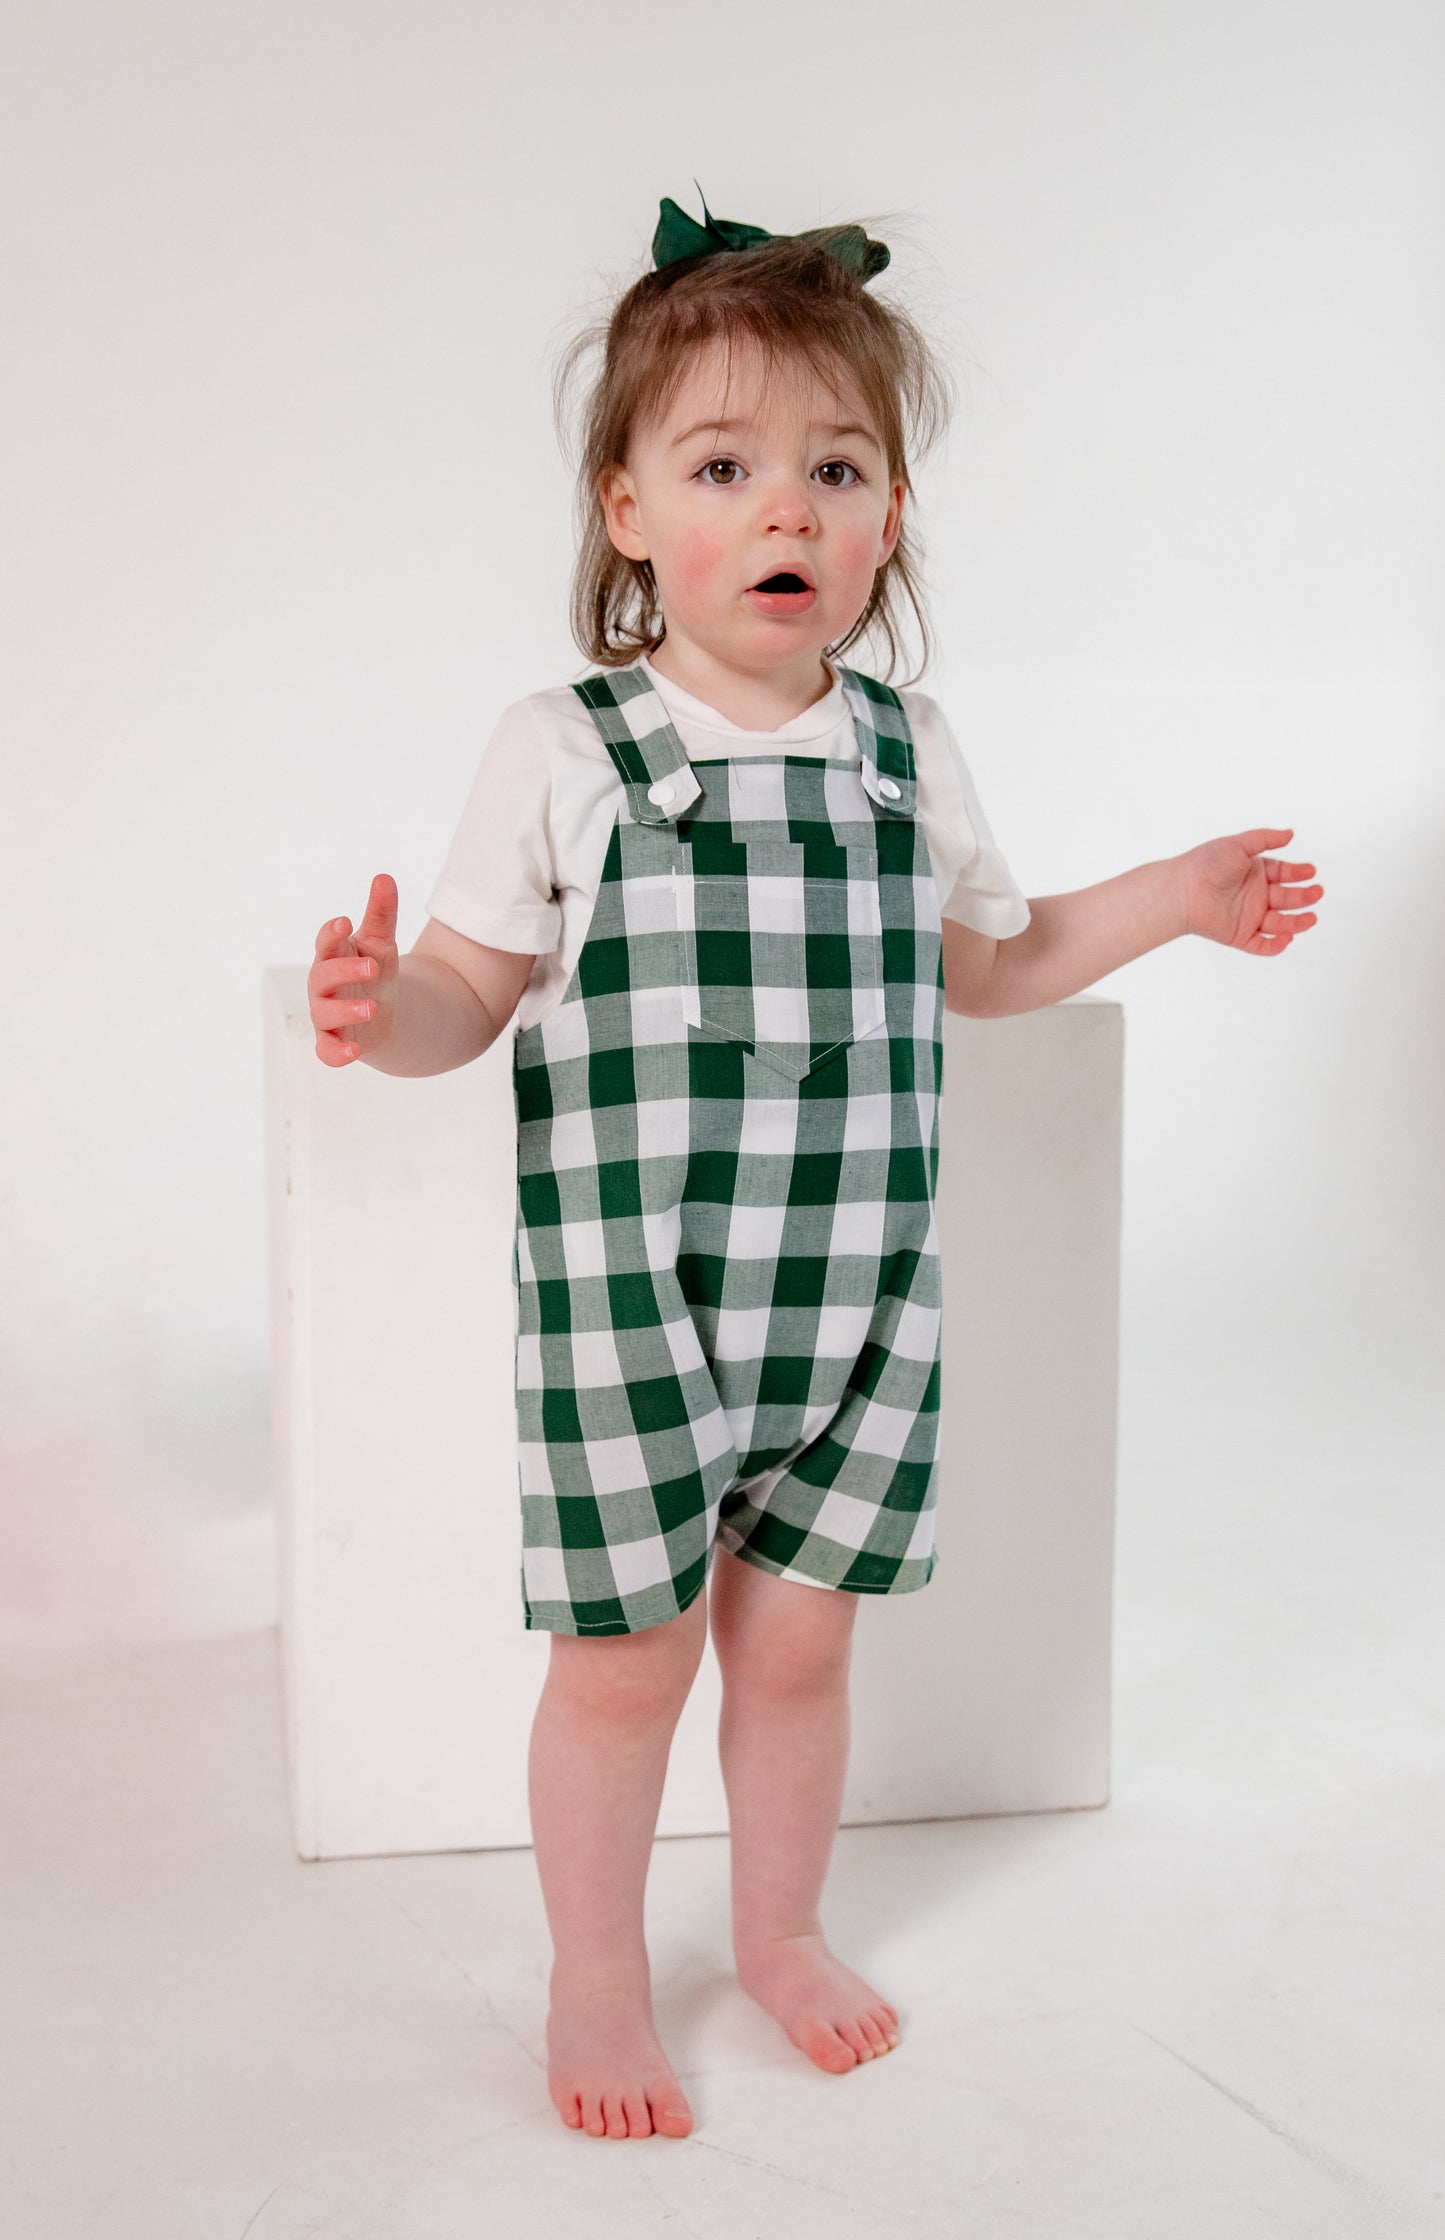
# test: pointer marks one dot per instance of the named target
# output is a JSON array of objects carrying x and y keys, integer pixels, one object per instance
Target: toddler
[{"x": 726, "y": 883}]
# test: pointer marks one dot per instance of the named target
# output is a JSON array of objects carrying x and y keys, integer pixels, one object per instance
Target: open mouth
[{"x": 783, "y": 592}]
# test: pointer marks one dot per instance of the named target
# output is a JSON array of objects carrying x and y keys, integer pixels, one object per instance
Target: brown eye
[
  {"x": 828, "y": 464},
  {"x": 707, "y": 471}
]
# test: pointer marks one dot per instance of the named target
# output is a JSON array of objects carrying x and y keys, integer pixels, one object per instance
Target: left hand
[{"x": 1234, "y": 894}]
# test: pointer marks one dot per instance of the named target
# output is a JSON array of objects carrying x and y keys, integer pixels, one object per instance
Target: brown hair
[{"x": 796, "y": 302}]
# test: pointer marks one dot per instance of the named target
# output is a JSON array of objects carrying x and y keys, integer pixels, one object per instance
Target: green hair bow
[{"x": 678, "y": 236}]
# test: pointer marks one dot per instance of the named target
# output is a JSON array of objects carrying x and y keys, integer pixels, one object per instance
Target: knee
[
  {"x": 780, "y": 1668},
  {"x": 631, "y": 1679}
]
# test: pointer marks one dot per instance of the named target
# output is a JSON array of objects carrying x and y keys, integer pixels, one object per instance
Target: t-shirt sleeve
[
  {"x": 974, "y": 880},
  {"x": 497, "y": 883}
]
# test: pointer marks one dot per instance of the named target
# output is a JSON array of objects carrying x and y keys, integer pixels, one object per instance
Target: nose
[{"x": 788, "y": 505}]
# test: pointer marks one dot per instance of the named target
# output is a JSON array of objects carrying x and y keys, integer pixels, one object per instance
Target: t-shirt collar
[{"x": 813, "y": 723}]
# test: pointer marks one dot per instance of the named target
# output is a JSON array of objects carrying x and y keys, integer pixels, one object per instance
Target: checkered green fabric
[{"x": 727, "y": 1262}]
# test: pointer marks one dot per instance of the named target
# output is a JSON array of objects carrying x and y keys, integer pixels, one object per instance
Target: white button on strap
[
  {"x": 662, "y": 792},
  {"x": 889, "y": 790}
]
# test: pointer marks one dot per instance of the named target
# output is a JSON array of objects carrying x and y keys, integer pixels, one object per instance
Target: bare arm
[
  {"x": 1227, "y": 889},
  {"x": 1071, "y": 941},
  {"x": 453, "y": 998}
]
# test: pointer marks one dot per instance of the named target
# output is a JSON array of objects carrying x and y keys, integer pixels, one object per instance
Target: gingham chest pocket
[{"x": 782, "y": 944}]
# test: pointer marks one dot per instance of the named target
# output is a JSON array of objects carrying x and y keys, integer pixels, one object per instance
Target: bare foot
[
  {"x": 606, "y": 2070},
  {"x": 830, "y": 2014}
]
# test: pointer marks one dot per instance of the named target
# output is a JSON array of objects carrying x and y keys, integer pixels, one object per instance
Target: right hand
[{"x": 353, "y": 979}]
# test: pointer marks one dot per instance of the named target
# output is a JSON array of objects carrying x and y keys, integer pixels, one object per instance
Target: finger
[
  {"x": 333, "y": 937},
  {"x": 1273, "y": 868},
  {"x": 1265, "y": 836},
  {"x": 1293, "y": 898},
  {"x": 1271, "y": 939},
  {"x": 333, "y": 1051},
  {"x": 330, "y": 973},
  {"x": 329, "y": 1011},
  {"x": 379, "y": 924}
]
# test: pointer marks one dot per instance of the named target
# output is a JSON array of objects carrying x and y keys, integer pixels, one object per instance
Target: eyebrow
[{"x": 728, "y": 427}]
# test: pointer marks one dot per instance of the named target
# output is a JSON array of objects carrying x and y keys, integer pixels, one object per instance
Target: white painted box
[{"x": 409, "y": 1676}]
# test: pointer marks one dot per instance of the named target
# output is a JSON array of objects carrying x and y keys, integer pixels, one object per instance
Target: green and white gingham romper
[{"x": 727, "y": 1262}]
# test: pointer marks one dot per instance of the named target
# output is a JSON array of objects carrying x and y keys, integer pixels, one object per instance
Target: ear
[
  {"x": 617, "y": 496},
  {"x": 892, "y": 523}
]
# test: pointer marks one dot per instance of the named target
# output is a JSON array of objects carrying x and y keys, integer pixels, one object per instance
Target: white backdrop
[{"x": 284, "y": 526}]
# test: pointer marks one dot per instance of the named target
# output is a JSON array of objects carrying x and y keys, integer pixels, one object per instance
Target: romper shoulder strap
[
  {"x": 642, "y": 740},
  {"x": 885, "y": 742}
]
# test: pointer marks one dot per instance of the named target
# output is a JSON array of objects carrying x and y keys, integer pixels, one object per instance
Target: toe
[
  {"x": 825, "y": 2045},
  {"x": 639, "y": 2122},
  {"x": 593, "y": 2120},
  {"x": 873, "y": 2031},
  {"x": 671, "y": 2114},
  {"x": 616, "y": 2120},
  {"x": 853, "y": 2034}
]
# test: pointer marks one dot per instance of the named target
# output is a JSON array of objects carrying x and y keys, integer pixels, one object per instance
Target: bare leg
[
  {"x": 598, "y": 1758},
  {"x": 784, "y": 1650}
]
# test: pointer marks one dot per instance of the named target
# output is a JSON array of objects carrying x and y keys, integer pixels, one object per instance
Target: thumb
[{"x": 379, "y": 924}]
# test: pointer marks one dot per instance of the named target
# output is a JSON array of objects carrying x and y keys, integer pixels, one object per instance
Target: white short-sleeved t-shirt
[{"x": 526, "y": 860}]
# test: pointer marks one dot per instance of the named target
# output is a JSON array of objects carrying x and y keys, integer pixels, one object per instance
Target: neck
[{"x": 754, "y": 700}]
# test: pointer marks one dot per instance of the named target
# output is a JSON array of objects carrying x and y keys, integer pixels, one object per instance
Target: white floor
[{"x": 1212, "y": 2008}]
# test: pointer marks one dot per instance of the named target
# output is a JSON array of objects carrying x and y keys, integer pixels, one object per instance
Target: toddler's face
[{"x": 795, "y": 482}]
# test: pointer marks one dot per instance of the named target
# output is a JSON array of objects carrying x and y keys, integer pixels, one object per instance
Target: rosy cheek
[
  {"x": 697, "y": 561},
  {"x": 857, "y": 557}
]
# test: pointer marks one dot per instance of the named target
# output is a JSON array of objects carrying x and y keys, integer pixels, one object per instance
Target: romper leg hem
[
  {"x": 605, "y": 1627},
  {"x": 907, "y": 1579}
]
